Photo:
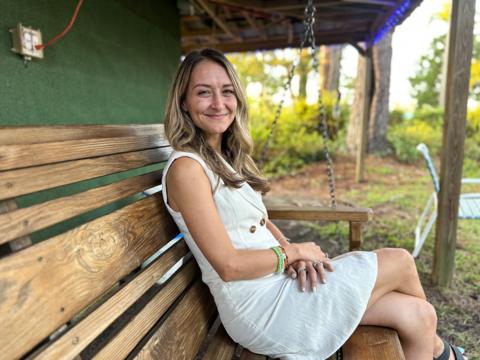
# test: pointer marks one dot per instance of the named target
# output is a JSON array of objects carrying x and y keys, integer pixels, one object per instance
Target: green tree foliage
[{"x": 426, "y": 82}]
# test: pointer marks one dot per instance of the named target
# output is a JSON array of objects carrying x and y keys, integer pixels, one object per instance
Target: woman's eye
[
  {"x": 203, "y": 92},
  {"x": 229, "y": 92}
]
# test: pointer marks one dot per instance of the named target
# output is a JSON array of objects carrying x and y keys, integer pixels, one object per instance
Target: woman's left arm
[{"x": 282, "y": 239}]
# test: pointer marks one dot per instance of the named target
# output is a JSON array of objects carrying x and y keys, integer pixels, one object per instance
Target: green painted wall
[{"x": 114, "y": 66}]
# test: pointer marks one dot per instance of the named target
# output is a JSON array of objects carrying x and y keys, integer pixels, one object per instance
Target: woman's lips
[{"x": 216, "y": 116}]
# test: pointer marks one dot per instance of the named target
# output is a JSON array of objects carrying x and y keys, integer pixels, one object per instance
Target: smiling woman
[{"x": 212, "y": 189}]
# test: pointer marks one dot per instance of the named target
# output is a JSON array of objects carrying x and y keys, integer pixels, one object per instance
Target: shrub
[
  {"x": 297, "y": 139},
  {"x": 425, "y": 127}
]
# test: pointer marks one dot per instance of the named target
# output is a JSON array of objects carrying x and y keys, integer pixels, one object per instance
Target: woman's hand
[
  {"x": 315, "y": 270},
  {"x": 304, "y": 251}
]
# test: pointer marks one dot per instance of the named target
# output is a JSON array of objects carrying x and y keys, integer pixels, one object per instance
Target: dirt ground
[{"x": 458, "y": 307}]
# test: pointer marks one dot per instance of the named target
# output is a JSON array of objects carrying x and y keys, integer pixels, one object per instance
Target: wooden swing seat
[{"x": 98, "y": 270}]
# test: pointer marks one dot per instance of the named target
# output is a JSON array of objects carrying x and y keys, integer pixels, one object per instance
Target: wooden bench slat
[
  {"x": 48, "y": 283},
  {"x": 126, "y": 340},
  {"x": 182, "y": 333},
  {"x": 24, "y": 221},
  {"x": 292, "y": 212},
  {"x": 26, "y": 155},
  {"x": 25, "y": 181},
  {"x": 373, "y": 343},
  {"x": 222, "y": 347},
  {"x": 52, "y": 133},
  {"x": 43, "y": 134},
  {"x": 248, "y": 355},
  {"x": 83, "y": 333},
  {"x": 8, "y": 206}
]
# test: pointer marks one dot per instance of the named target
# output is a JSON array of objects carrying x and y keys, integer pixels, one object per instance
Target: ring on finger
[{"x": 302, "y": 269}]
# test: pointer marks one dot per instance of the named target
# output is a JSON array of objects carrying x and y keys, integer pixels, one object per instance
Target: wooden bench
[{"x": 92, "y": 265}]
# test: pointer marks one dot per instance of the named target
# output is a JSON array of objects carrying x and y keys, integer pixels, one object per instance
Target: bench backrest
[{"x": 91, "y": 263}]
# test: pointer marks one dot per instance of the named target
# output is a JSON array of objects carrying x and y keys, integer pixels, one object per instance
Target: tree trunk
[
  {"x": 330, "y": 67},
  {"x": 303, "y": 69},
  {"x": 379, "y": 111},
  {"x": 354, "y": 123}
]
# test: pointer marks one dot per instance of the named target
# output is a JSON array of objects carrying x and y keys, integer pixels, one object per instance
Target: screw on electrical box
[{"x": 24, "y": 40}]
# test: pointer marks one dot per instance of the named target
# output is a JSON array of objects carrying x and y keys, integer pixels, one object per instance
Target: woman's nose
[{"x": 217, "y": 101}]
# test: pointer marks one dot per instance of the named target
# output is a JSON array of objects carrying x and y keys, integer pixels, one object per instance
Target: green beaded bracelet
[{"x": 279, "y": 253}]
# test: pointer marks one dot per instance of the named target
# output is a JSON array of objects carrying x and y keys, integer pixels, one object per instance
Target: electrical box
[{"x": 24, "y": 41}]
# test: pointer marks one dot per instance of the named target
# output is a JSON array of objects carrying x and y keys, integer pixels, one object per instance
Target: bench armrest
[
  {"x": 355, "y": 216},
  {"x": 340, "y": 213}
]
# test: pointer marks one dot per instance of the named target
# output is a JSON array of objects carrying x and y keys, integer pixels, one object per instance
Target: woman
[{"x": 212, "y": 189}]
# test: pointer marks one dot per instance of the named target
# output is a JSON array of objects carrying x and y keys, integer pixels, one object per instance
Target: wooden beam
[
  {"x": 359, "y": 48},
  {"x": 254, "y": 25},
  {"x": 218, "y": 20},
  {"x": 456, "y": 98},
  {"x": 362, "y": 137},
  {"x": 280, "y": 42},
  {"x": 295, "y": 4},
  {"x": 270, "y": 44},
  {"x": 388, "y": 3}
]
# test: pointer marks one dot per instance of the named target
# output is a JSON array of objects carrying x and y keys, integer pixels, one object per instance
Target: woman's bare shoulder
[{"x": 185, "y": 170}]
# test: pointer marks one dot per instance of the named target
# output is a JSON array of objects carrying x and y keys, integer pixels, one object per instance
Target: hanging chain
[
  {"x": 308, "y": 38},
  {"x": 322, "y": 111},
  {"x": 308, "y": 23}
]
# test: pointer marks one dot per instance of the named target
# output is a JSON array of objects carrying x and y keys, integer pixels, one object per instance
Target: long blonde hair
[{"x": 237, "y": 144}]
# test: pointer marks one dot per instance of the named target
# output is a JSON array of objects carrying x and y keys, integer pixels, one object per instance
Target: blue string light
[{"x": 397, "y": 16}]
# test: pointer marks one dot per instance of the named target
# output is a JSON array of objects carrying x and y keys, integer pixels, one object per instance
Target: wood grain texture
[
  {"x": 8, "y": 206},
  {"x": 10, "y": 135},
  {"x": 184, "y": 330},
  {"x": 373, "y": 343},
  {"x": 77, "y": 338},
  {"x": 24, "y": 221},
  {"x": 222, "y": 347},
  {"x": 248, "y": 355},
  {"x": 355, "y": 235},
  {"x": 26, "y": 155},
  {"x": 363, "y": 136},
  {"x": 25, "y": 181},
  {"x": 46, "y": 284},
  {"x": 291, "y": 212},
  {"x": 126, "y": 340}
]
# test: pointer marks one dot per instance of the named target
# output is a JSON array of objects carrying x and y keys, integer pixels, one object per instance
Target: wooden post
[
  {"x": 362, "y": 136},
  {"x": 456, "y": 97}
]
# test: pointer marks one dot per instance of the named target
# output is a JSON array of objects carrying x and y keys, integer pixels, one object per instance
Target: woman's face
[{"x": 211, "y": 101}]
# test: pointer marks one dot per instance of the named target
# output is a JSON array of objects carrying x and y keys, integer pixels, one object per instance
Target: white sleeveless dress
[{"x": 270, "y": 315}]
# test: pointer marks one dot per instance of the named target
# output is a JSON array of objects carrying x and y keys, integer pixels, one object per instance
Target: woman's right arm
[{"x": 189, "y": 191}]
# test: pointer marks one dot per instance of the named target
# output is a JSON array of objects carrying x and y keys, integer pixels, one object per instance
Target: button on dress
[{"x": 271, "y": 315}]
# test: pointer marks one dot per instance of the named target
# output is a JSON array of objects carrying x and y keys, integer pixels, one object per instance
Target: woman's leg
[
  {"x": 397, "y": 279},
  {"x": 396, "y": 272},
  {"x": 413, "y": 318}
]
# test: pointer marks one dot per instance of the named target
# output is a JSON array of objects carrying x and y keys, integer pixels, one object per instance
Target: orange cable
[{"x": 70, "y": 24}]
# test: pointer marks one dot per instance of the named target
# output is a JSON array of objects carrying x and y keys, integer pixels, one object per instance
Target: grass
[{"x": 458, "y": 306}]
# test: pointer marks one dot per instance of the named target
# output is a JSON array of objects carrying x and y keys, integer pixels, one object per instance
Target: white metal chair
[{"x": 469, "y": 207}]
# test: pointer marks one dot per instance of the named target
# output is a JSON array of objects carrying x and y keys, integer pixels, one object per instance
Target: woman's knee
[
  {"x": 425, "y": 314},
  {"x": 400, "y": 258},
  {"x": 419, "y": 320}
]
